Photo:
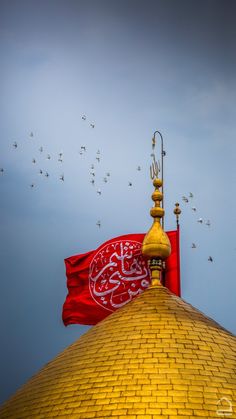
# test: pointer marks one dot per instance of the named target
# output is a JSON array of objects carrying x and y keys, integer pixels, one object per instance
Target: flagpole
[{"x": 177, "y": 212}]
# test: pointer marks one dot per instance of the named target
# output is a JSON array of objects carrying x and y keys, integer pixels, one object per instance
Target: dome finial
[
  {"x": 156, "y": 245},
  {"x": 177, "y": 212}
]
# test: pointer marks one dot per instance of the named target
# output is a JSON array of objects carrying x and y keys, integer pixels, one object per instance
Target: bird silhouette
[
  {"x": 98, "y": 223},
  {"x": 62, "y": 178},
  {"x": 200, "y": 220},
  {"x": 15, "y": 145},
  {"x": 210, "y": 259},
  {"x": 84, "y": 118},
  {"x": 92, "y": 125},
  {"x": 194, "y": 246}
]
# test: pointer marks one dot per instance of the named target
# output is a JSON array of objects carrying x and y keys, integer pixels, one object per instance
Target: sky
[{"x": 131, "y": 67}]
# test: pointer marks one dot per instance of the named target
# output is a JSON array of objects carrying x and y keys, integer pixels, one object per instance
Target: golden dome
[{"x": 157, "y": 357}]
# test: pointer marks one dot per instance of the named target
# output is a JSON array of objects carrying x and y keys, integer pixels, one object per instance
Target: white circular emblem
[{"x": 118, "y": 273}]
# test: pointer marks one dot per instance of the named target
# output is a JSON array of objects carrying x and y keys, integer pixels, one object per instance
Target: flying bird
[
  {"x": 92, "y": 166},
  {"x": 15, "y": 145},
  {"x": 33, "y": 161},
  {"x": 98, "y": 223},
  {"x": 194, "y": 209},
  {"x": 92, "y": 181},
  {"x": 105, "y": 179},
  {"x": 46, "y": 174},
  {"x": 184, "y": 198},
  {"x": 210, "y": 259},
  {"x": 139, "y": 168},
  {"x": 83, "y": 148},
  {"x": 92, "y": 173},
  {"x": 190, "y": 195},
  {"x": 32, "y": 185},
  {"x": 41, "y": 149},
  {"x": 200, "y": 220},
  {"x": 98, "y": 159},
  {"x": 194, "y": 246},
  {"x": 130, "y": 183},
  {"x": 48, "y": 156},
  {"x": 92, "y": 125},
  {"x": 84, "y": 118},
  {"x": 108, "y": 174},
  {"x": 40, "y": 172},
  {"x": 62, "y": 178},
  {"x": 31, "y": 134},
  {"x": 99, "y": 192},
  {"x": 208, "y": 223},
  {"x": 1, "y": 170}
]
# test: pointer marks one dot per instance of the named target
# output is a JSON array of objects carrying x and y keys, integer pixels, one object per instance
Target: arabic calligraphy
[{"x": 117, "y": 274}]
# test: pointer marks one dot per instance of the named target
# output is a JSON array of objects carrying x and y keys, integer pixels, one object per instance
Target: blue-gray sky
[{"x": 131, "y": 67}]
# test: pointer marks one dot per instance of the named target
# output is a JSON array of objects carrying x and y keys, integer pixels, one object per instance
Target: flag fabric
[{"x": 102, "y": 280}]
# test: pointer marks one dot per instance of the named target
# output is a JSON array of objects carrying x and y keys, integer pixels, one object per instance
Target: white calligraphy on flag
[{"x": 117, "y": 274}]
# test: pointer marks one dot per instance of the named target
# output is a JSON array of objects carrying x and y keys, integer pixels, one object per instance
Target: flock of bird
[
  {"x": 36, "y": 160},
  {"x": 199, "y": 220},
  {"x": 32, "y": 185},
  {"x": 186, "y": 199}
]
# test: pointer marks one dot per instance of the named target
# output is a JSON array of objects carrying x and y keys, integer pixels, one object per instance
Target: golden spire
[{"x": 156, "y": 245}]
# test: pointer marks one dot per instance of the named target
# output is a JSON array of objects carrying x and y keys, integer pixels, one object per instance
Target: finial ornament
[
  {"x": 156, "y": 245},
  {"x": 177, "y": 212}
]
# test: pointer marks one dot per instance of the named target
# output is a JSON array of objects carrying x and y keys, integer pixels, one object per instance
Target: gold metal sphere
[{"x": 157, "y": 183}]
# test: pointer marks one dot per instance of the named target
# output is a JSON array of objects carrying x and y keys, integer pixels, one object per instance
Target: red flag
[{"x": 102, "y": 280}]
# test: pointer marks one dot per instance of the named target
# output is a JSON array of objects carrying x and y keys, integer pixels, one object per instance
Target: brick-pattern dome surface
[{"x": 157, "y": 357}]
